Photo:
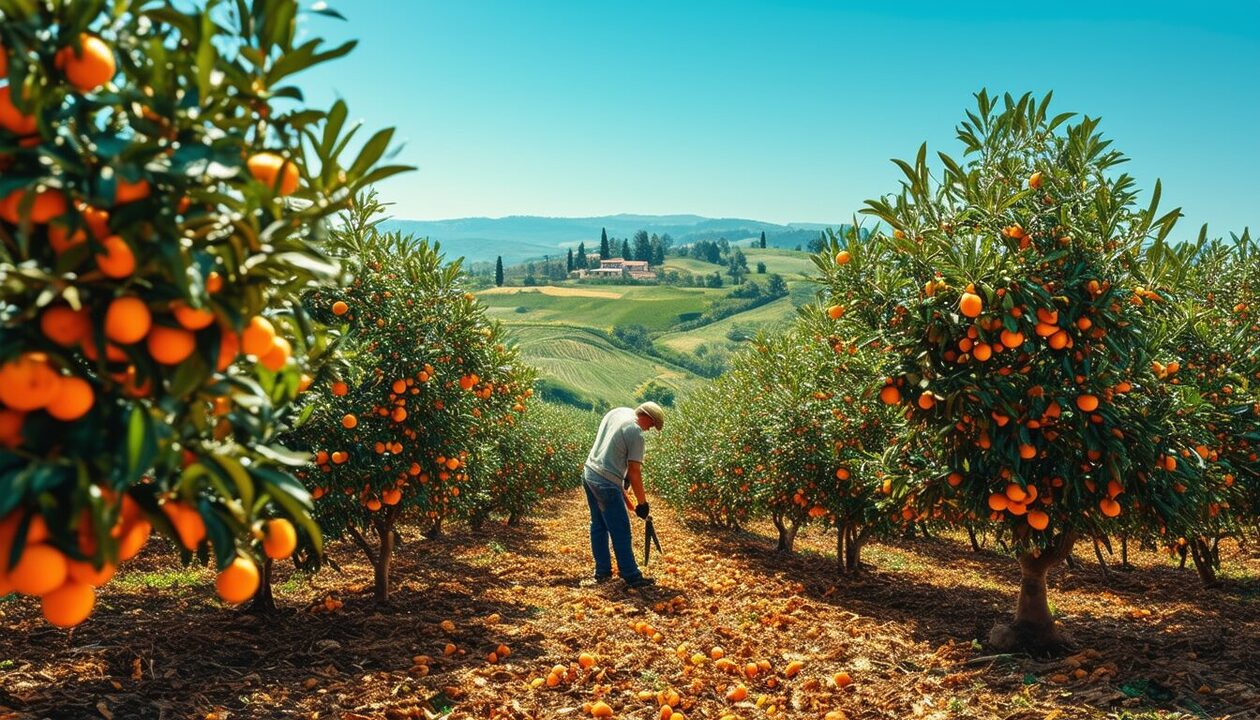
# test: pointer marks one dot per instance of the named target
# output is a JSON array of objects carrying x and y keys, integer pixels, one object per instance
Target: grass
[
  {"x": 790, "y": 264},
  {"x": 656, "y": 307},
  {"x": 773, "y": 314},
  {"x": 587, "y": 363},
  {"x": 173, "y": 579}
]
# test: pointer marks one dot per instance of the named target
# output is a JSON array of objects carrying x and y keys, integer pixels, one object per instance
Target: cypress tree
[
  {"x": 498, "y": 271},
  {"x": 580, "y": 260},
  {"x": 603, "y": 244},
  {"x": 569, "y": 263},
  {"x": 625, "y": 249},
  {"x": 763, "y": 239}
]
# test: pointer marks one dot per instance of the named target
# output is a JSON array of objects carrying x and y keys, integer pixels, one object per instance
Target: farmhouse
[{"x": 614, "y": 268}]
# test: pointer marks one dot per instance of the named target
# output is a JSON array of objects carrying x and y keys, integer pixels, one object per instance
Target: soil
[{"x": 1151, "y": 643}]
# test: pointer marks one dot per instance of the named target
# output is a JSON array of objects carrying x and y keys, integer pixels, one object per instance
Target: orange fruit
[
  {"x": 842, "y": 679},
  {"x": 73, "y": 400},
  {"x": 133, "y": 539},
  {"x": 278, "y": 355},
  {"x": 191, "y": 318},
  {"x": 69, "y": 604},
  {"x": 349, "y": 421},
  {"x": 970, "y": 304},
  {"x": 266, "y": 167},
  {"x": 48, "y": 205},
  {"x": 41, "y": 569},
  {"x": 340, "y": 308},
  {"x": 229, "y": 348},
  {"x": 843, "y": 257},
  {"x": 793, "y": 668},
  {"x": 28, "y": 382},
  {"x": 170, "y": 346},
  {"x": 835, "y": 312},
  {"x": 391, "y": 496},
  {"x": 1087, "y": 403},
  {"x": 89, "y": 67},
  {"x": 214, "y": 282},
  {"x": 982, "y": 352},
  {"x": 586, "y": 660},
  {"x": 237, "y": 582},
  {"x": 1038, "y": 520},
  {"x": 1027, "y": 452},
  {"x": 1034, "y": 180},
  {"x": 1058, "y": 340},
  {"x": 61, "y": 239},
  {"x": 737, "y": 694},
  {"x": 259, "y": 336},
  {"x": 601, "y": 709},
  {"x": 65, "y": 325},
  {"x": 84, "y": 572},
  {"x": 954, "y": 479},
  {"x": 1015, "y": 493},
  {"x": 1109, "y": 507},
  {"x": 339, "y": 388},
  {"x": 12, "y": 119},
  {"x": 890, "y": 395},
  {"x": 1011, "y": 338},
  {"x": 116, "y": 260},
  {"x": 189, "y": 525},
  {"x": 126, "y": 191},
  {"x": 279, "y": 539},
  {"x": 998, "y": 502},
  {"x": 127, "y": 320}
]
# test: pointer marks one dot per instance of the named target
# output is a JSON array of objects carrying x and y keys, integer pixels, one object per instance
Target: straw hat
[{"x": 653, "y": 411}]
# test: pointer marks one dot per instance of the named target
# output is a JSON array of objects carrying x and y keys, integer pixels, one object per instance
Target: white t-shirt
[{"x": 618, "y": 443}]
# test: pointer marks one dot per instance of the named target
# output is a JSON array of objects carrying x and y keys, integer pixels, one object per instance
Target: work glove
[{"x": 642, "y": 510}]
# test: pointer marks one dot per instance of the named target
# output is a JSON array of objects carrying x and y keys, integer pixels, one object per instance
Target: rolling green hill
[
  {"x": 563, "y": 329},
  {"x": 587, "y": 364},
  {"x": 656, "y": 307}
]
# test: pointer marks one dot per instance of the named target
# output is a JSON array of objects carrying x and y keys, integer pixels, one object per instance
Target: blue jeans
[{"x": 609, "y": 520}]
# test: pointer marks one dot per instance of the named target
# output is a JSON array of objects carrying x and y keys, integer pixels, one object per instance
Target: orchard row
[
  {"x": 1016, "y": 348},
  {"x": 202, "y": 332}
]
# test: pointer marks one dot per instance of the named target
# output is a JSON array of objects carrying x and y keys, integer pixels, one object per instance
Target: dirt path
[{"x": 901, "y": 631}]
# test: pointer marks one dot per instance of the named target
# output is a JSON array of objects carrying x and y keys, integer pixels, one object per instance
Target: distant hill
[{"x": 526, "y": 237}]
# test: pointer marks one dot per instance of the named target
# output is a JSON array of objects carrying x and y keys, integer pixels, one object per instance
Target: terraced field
[
  {"x": 656, "y": 307},
  {"x": 579, "y": 358}
]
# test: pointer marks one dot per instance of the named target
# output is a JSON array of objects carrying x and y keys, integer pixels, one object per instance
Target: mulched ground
[{"x": 1153, "y": 644}]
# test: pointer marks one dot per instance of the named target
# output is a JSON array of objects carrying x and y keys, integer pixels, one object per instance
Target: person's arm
[{"x": 634, "y": 473}]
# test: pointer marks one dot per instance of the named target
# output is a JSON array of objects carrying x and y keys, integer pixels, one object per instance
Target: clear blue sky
[{"x": 780, "y": 111}]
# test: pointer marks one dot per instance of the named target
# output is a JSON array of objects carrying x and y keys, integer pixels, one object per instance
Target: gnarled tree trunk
[
  {"x": 1033, "y": 628},
  {"x": 1205, "y": 561},
  {"x": 850, "y": 537},
  {"x": 975, "y": 542},
  {"x": 787, "y": 532}
]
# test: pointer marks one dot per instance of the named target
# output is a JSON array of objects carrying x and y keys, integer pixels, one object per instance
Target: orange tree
[
  {"x": 524, "y": 461},
  {"x": 785, "y": 433},
  {"x": 709, "y": 456},
  {"x": 1209, "y": 357},
  {"x": 1007, "y": 299},
  {"x": 156, "y": 199},
  {"x": 430, "y": 382}
]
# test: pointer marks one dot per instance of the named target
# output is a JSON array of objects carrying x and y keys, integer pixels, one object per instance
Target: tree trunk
[
  {"x": 514, "y": 519},
  {"x": 1033, "y": 628},
  {"x": 1202, "y": 554},
  {"x": 849, "y": 541},
  {"x": 1124, "y": 552},
  {"x": 385, "y": 553},
  {"x": 975, "y": 542},
  {"x": 435, "y": 530},
  {"x": 1101, "y": 562},
  {"x": 787, "y": 533},
  {"x": 264, "y": 602}
]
